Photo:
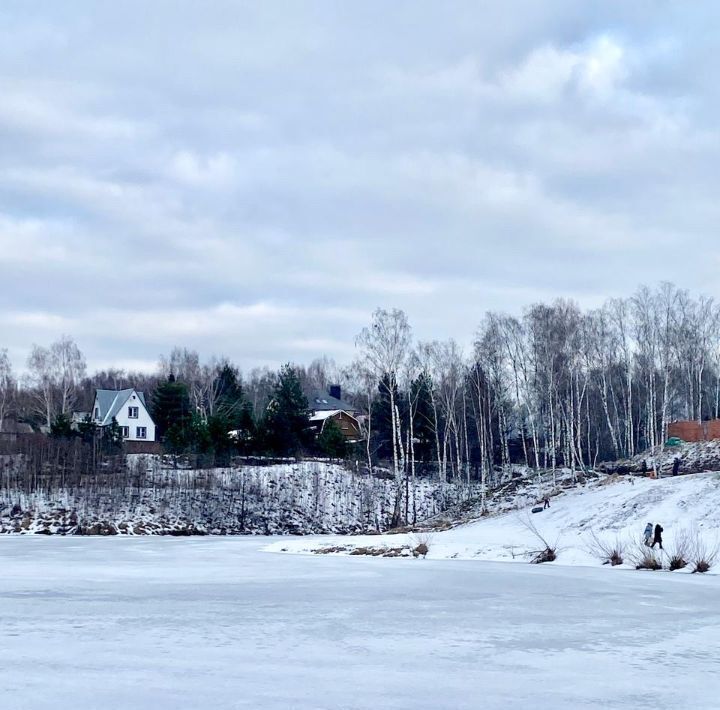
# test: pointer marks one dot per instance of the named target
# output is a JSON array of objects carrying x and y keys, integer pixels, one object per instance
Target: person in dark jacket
[
  {"x": 643, "y": 467},
  {"x": 546, "y": 503},
  {"x": 657, "y": 540},
  {"x": 676, "y": 466}
]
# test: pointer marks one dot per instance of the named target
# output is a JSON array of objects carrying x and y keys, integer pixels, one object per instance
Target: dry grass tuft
[
  {"x": 609, "y": 553},
  {"x": 703, "y": 555},
  {"x": 644, "y": 557},
  {"x": 679, "y": 550}
]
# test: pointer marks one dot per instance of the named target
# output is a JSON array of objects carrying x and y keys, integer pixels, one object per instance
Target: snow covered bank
[
  {"x": 302, "y": 498},
  {"x": 614, "y": 507}
]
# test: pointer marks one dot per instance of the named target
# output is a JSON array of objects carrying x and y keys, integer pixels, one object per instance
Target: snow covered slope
[
  {"x": 613, "y": 507},
  {"x": 299, "y": 498}
]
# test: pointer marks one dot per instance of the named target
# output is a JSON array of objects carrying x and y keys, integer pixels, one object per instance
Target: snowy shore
[{"x": 612, "y": 508}]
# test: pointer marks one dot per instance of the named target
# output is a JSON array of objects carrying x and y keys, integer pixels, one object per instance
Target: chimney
[{"x": 335, "y": 391}]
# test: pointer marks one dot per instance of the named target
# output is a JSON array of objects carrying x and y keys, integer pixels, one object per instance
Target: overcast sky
[{"x": 253, "y": 179}]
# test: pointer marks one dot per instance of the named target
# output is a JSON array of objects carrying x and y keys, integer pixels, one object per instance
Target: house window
[
  {"x": 97, "y": 413},
  {"x": 133, "y": 412},
  {"x": 141, "y": 432},
  {"x": 125, "y": 432}
]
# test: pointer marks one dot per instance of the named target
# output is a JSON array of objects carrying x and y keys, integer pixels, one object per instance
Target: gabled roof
[
  {"x": 326, "y": 414},
  {"x": 110, "y": 402},
  {"x": 10, "y": 426},
  {"x": 320, "y": 401}
]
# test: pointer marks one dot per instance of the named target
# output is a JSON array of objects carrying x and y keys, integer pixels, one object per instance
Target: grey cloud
[{"x": 224, "y": 176}]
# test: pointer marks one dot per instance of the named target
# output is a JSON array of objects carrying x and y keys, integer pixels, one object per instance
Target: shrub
[
  {"x": 649, "y": 561},
  {"x": 420, "y": 544},
  {"x": 702, "y": 554},
  {"x": 679, "y": 552},
  {"x": 644, "y": 557},
  {"x": 677, "y": 562},
  {"x": 609, "y": 553},
  {"x": 548, "y": 553}
]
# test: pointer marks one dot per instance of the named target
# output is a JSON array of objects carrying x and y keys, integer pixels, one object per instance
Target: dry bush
[
  {"x": 549, "y": 552},
  {"x": 644, "y": 557},
  {"x": 679, "y": 551},
  {"x": 609, "y": 553},
  {"x": 703, "y": 555},
  {"x": 420, "y": 544},
  {"x": 649, "y": 561},
  {"x": 677, "y": 562}
]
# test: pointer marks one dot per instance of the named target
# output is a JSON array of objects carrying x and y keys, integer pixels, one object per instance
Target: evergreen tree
[
  {"x": 172, "y": 415},
  {"x": 87, "y": 430},
  {"x": 331, "y": 441},
  {"x": 61, "y": 427},
  {"x": 199, "y": 440},
  {"x": 423, "y": 423},
  {"x": 232, "y": 413},
  {"x": 218, "y": 428},
  {"x": 230, "y": 395},
  {"x": 247, "y": 439},
  {"x": 112, "y": 437},
  {"x": 382, "y": 417},
  {"x": 285, "y": 427}
]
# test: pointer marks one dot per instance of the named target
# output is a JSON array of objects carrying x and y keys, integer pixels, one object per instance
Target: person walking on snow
[
  {"x": 657, "y": 540},
  {"x": 648, "y": 533},
  {"x": 546, "y": 503},
  {"x": 676, "y": 467}
]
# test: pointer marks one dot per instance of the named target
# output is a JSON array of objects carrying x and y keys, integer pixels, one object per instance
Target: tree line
[{"x": 556, "y": 386}]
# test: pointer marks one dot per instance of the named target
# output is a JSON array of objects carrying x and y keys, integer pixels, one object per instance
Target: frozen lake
[{"x": 180, "y": 624}]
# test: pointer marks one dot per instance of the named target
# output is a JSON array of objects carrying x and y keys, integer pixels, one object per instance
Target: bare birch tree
[{"x": 384, "y": 345}]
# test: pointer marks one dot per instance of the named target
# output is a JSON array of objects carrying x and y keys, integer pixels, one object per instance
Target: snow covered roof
[{"x": 322, "y": 416}]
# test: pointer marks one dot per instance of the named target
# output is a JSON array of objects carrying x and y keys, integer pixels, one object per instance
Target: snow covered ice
[{"x": 166, "y": 623}]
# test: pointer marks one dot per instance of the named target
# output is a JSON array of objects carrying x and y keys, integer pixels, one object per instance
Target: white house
[{"x": 129, "y": 410}]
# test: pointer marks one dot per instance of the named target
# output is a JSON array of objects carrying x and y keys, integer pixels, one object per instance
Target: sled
[{"x": 537, "y": 509}]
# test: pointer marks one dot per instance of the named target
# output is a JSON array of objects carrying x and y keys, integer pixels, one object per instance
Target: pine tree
[
  {"x": 383, "y": 418},
  {"x": 172, "y": 415},
  {"x": 230, "y": 395},
  {"x": 285, "y": 427},
  {"x": 331, "y": 441},
  {"x": 423, "y": 430},
  {"x": 61, "y": 428},
  {"x": 112, "y": 437}
]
